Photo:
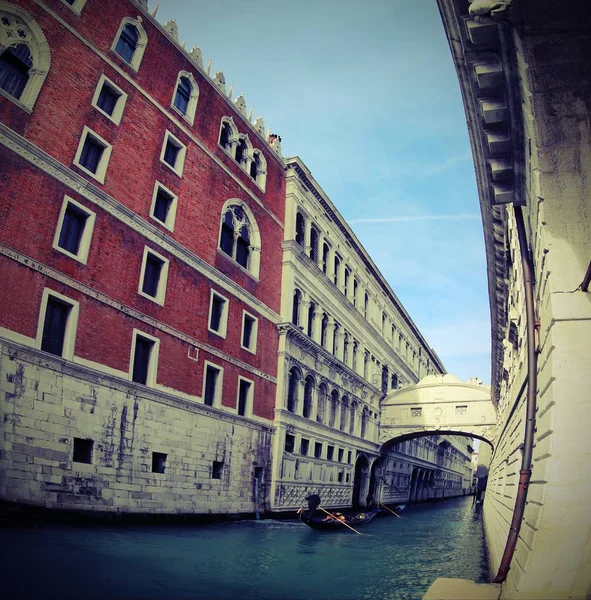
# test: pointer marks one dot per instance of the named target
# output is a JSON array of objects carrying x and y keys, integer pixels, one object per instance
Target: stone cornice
[
  {"x": 301, "y": 339},
  {"x": 66, "y": 367},
  {"x": 483, "y": 53},
  {"x": 297, "y": 165},
  {"x": 49, "y": 165},
  {"x": 129, "y": 311},
  {"x": 345, "y": 306}
]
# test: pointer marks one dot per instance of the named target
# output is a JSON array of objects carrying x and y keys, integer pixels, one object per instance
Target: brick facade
[{"x": 38, "y": 171}]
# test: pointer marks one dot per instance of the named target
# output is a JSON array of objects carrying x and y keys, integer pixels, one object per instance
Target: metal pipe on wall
[{"x": 530, "y": 413}]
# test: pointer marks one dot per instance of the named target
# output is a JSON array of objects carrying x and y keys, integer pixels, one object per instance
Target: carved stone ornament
[
  {"x": 240, "y": 104},
  {"x": 172, "y": 29},
  {"x": 481, "y": 9},
  {"x": 220, "y": 80},
  {"x": 197, "y": 56},
  {"x": 259, "y": 125}
]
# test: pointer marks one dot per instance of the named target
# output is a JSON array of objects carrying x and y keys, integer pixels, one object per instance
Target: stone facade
[
  {"x": 523, "y": 68},
  {"x": 345, "y": 341}
]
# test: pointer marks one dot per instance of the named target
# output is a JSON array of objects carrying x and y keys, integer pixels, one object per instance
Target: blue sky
[{"x": 367, "y": 96}]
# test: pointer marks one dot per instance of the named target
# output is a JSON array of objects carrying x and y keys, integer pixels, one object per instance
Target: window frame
[
  {"x": 171, "y": 216},
  {"x": 223, "y": 330},
  {"x": 189, "y": 116},
  {"x": 119, "y": 105},
  {"x": 162, "y": 282},
  {"x": 217, "y": 398},
  {"x": 77, "y": 6},
  {"x": 142, "y": 42},
  {"x": 250, "y": 398},
  {"x": 253, "y": 335},
  {"x": 86, "y": 237},
  {"x": 71, "y": 322},
  {"x": 103, "y": 163},
  {"x": 152, "y": 373},
  {"x": 179, "y": 163}
]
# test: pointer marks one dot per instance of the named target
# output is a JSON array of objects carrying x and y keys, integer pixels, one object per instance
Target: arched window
[
  {"x": 324, "y": 330},
  {"x": 226, "y": 136},
  {"x": 300, "y": 235},
  {"x": 258, "y": 169},
  {"x": 355, "y": 286},
  {"x": 24, "y": 55},
  {"x": 15, "y": 63},
  {"x": 321, "y": 408},
  {"x": 311, "y": 315},
  {"x": 365, "y": 364},
  {"x": 308, "y": 389},
  {"x": 346, "y": 283},
  {"x": 130, "y": 42},
  {"x": 364, "y": 421},
  {"x": 344, "y": 407},
  {"x": 337, "y": 268},
  {"x": 325, "y": 252},
  {"x": 352, "y": 417},
  {"x": 314, "y": 239},
  {"x": 186, "y": 95},
  {"x": 239, "y": 237},
  {"x": 365, "y": 304},
  {"x": 346, "y": 348},
  {"x": 295, "y": 315},
  {"x": 242, "y": 152},
  {"x": 334, "y": 407},
  {"x": 355, "y": 349},
  {"x": 292, "y": 390},
  {"x": 335, "y": 339}
]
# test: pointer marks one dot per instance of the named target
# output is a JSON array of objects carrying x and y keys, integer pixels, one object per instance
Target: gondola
[
  {"x": 318, "y": 518},
  {"x": 327, "y": 523}
]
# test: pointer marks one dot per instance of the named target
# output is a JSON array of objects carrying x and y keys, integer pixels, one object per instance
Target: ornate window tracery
[{"x": 239, "y": 236}]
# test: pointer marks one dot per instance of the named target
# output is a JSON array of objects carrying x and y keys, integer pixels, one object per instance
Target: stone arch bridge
[{"x": 438, "y": 404}]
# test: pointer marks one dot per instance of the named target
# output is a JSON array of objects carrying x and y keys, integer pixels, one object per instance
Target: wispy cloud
[
  {"x": 459, "y": 217},
  {"x": 443, "y": 165}
]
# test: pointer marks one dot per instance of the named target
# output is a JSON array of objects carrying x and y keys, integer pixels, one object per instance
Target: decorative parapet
[{"x": 195, "y": 56}]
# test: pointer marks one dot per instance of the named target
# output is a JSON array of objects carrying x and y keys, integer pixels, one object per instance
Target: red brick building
[{"x": 141, "y": 222}]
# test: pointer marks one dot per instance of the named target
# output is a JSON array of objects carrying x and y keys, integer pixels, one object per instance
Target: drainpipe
[{"x": 530, "y": 414}]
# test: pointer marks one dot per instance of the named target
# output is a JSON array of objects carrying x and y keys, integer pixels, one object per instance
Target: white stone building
[{"x": 345, "y": 341}]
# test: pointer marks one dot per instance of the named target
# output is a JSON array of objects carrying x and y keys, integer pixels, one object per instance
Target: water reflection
[{"x": 394, "y": 559}]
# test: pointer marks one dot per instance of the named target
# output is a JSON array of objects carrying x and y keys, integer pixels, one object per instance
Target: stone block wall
[{"x": 46, "y": 402}]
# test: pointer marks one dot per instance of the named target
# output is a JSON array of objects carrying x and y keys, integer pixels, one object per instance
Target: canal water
[{"x": 243, "y": 560}]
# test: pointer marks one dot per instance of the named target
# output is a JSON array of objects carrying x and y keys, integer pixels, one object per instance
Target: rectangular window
[
  {"x": 289, "y": 442},
  {"x": 109, "y": 99},
  {"x": 340, "y": 477},
  {"x": 329, "y": 452},
  {"x": 216, "y": 469},
  {"x": 212, "y": 385},
  {"x": 154, "y": 276},
  {"x": 173, "y": 153},
  {"x": 318, "y": 450},
  {"x": 144, "y": 360},
  {"x": 218, "y": 314},
  {"x": 163, "y": 207},
  {"x": 244, "y": 396},
  {"x": 93, "y": 154},
  {"x": 349, "y": 456},
  {"x": 158, "y": 462},
  {"x": 416, "y": 412},
  {"x": 304, "y": 444},
  {"x": 83, "y": 451},
  {"x": 74, "y": 230},
  {"x": 249, "y": 332},
  {"x": 54, "y": 327},
  {"x": 340, "y": 455}
]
